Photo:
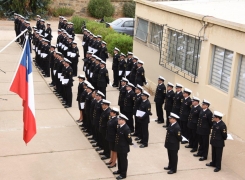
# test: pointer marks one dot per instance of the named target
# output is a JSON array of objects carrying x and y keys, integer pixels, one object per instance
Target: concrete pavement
[{"x": 60, "y": 151}]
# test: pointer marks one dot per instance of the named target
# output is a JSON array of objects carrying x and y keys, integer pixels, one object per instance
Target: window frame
[
  {"x": 238, "y": 77},
  {"x": 146, "y": 33}
]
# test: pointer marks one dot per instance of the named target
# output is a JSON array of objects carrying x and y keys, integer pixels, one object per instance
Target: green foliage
[
  {"x": 100, "y": 8},
  {"x": 121, "y": 41},
  {"x": 112, "y": 38},
  {"x": 108, "y": 19},
  {"x": 63, "y": 11},
  {"x": 26, "y": 8},
  {"x": 78, "y": 22},
  {"x": 129, "y": 9}
]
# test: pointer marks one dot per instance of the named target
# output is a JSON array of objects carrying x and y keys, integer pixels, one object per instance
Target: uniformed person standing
[
  {"x": 144, "y": 119},
  {"x": 122, "y": 94},
  {"x": 172, "y": 143},
  {"x": 121, "y": 67},
  {"x": 169, "y": 100},
  {"x": 217, "y": 141},
  {"x": 137, "y": 102},
  {"x": 80, "y": 89},
  {"x": 38, "y": 22},
  {"x": 204, "y": 125},
  {"x": 159, "y": 99},
  {"x": 48, "y": 33},
  {"x": 68, "y": 74},
  {"x": 116, "y": 59},
  {"x": 103, "y": 51},
  {"x": 133, "y": 70},
  {"x": 111, "y": 136},
  {"x": 177, "y": 99},
  {"x": 129, "y": 65},
  {"x": 16, "y": 22},
  {"x": 74, "y": 59},
  {"x": 122, "y": 142},
  {"x": 42, "y": 27},
  {"x": 128, "y": 105},
  {"x": 104, "y": 118},
  {"x": 103, "y": 78},
  {"x": 140, "y": 74},
  {"x": 192, "y": 124},
  {"x": 96, "y": 72},
  {"x": 184, "y": 113},
  {"x": 87, "y": 106},
  {"x": 51, "y": 64}
]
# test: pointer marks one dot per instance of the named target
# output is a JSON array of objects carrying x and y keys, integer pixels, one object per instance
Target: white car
[{"x": 122, "y": 25}]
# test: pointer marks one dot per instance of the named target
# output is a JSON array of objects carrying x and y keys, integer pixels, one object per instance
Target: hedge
[
  {"x": 112, "y": 38},
  {"x": 129, "y": 9},
  {"x": 100, "y": 8}
]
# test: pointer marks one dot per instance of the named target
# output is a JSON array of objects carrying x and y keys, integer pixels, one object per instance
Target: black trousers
[
  {"x": 115, "y": 77},
  {"x": 193, "y": 138},
  {"x": 52, "y": 74},
  {"x": 121, "y": 109},
  {"x": 144, "y": 133},
  {"x": 89, "y": 125},
  {"x": 99, "y": 137},
  {"x": 46, "y": 67},
  {"x": 217, "y": 156},
  {"x": 203, "y": 141},
  {"x": 159, "y": 111},
  {"x": 68, "y": 93},
  {"x": 105, "y": 142},
  {"x": 173, "y": 160},
  {"x": 167, "y": 119},
  {"x": 85, "y": 49},
  {"x": 74, "y": 67},
  {"x": 184, "y": 129},
  {"x": 122, "y": 164},
  {"x": 130, "y": 121},
  {"x": 137, "y": 127}
]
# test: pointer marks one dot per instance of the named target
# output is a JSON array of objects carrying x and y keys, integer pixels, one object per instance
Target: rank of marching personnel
[{"x": 110, "y": 129}]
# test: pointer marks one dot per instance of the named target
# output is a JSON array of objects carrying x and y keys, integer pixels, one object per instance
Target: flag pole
[{"x": 13, "y": 40}]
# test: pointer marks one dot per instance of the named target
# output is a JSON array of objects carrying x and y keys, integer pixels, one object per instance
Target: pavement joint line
[
  {"x": 46, "y": 152},
  {"x": 42, "y": 127}
]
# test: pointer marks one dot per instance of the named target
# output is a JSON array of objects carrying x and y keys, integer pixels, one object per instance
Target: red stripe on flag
[{"x": 19, "y": 85}]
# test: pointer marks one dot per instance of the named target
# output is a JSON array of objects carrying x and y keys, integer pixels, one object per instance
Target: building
[{"x": 199, "y": 44}]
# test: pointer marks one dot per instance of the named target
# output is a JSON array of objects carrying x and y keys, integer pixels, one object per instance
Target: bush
[
  {"x": 129, "y": 9},
  {"x": 100, "y": 8},
  {"x": 121, "y": 41},
  {"x": 26, "y": 8},
  {"x": 108, "y": 19},
  {"x": 78, "y": 22},
  {"x": 63, "y": 11}
]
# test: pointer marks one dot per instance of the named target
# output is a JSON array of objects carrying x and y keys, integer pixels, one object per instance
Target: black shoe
[
  {"x": 139, "y": 142},
  {"x": 156, "y": 120},
  {"x": 101, "y": 153},
  {"x": 91, "y": 139},
  {"x": 116, "y": 172},
  {"x": 104, "y": 158},
  {"x": 216, "y": 170},
  {"x": 114, "y": 85},
  {"x": 171, "y": 172},
  {"x": 210, "y": 164},
  {"x": 196, "y": 155},
  {"x": 112, "y": 166},
  {"x": 137, "y": 139},
  {"x": 193, "y": 150},
  {"x": 188, "y": 146},
  {"x": 143, "y": 146},
  {"x": 164, "y": 126},
  {"x": 95, "y": 145},
  {"x": 98, "y": 149},
  {"x": 160, "y": 122},
  {"x": 67, "y": 106},
  {"x": 202, "y": 159},
  {"x": 166, "y": 168},
  {"x": 93, "y": 142},
  {"x": 120, "y": 177},
  {"x": 88, "y": 135},
  {"x": 184, "y": 142},
  {"x": 108, "y": 163}
]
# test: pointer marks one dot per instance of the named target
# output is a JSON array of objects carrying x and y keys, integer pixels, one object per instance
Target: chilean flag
[{"x": 22, "y": 85}]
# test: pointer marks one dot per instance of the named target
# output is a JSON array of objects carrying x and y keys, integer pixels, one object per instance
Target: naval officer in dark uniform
[
  {"x": 177, "y": 99},
  {"x": 204, "y": 125},
  {"x": 169, "y": 100},
  {"x": 192, "y": 124},
  {"x": 217, "y": 141},
  {"x": 184, "y": 113},
  {"x": 172, "y": 143},
  {"x": 68, "y": 74},
  {"x": 116, "y": 59},
  {"x": 122, "y": 142},
  {"x": 103, "y": 78},
  {"x": 159, "y": 99}
]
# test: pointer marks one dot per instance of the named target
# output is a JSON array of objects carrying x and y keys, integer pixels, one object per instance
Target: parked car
[{"x": 122, "y": 25}]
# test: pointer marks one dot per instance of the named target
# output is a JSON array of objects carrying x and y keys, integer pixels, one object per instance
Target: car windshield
[{"x": 116, "y": 22}]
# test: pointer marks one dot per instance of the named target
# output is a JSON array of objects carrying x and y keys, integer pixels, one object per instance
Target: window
[
  {"x": 156, "y": 34},
  {"x": 117, "y": 22},
  {"x": 240, "y": 91},
  {"x": 221, "y": 69},
  {"x": 184, "y": 51},
  {"x": 128, "y": 24},
  {"x": 142, "y": 29}
]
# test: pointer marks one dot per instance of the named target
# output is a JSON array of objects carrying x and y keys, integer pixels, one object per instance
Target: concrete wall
[
  {"x": 233, "y": 108},
  {"x": 80, "y": 6}
]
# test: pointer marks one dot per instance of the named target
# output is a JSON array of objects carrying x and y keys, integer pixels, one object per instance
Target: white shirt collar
[
  {"x": 173, "y": 124},
  {"x": 122, "y": 125}
]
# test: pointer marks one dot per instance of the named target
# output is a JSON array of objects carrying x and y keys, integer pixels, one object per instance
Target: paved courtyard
[{"x": 60, "y": 150}]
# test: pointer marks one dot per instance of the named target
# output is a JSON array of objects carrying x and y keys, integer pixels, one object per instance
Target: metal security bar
[{"x": 180, "y": 53}]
